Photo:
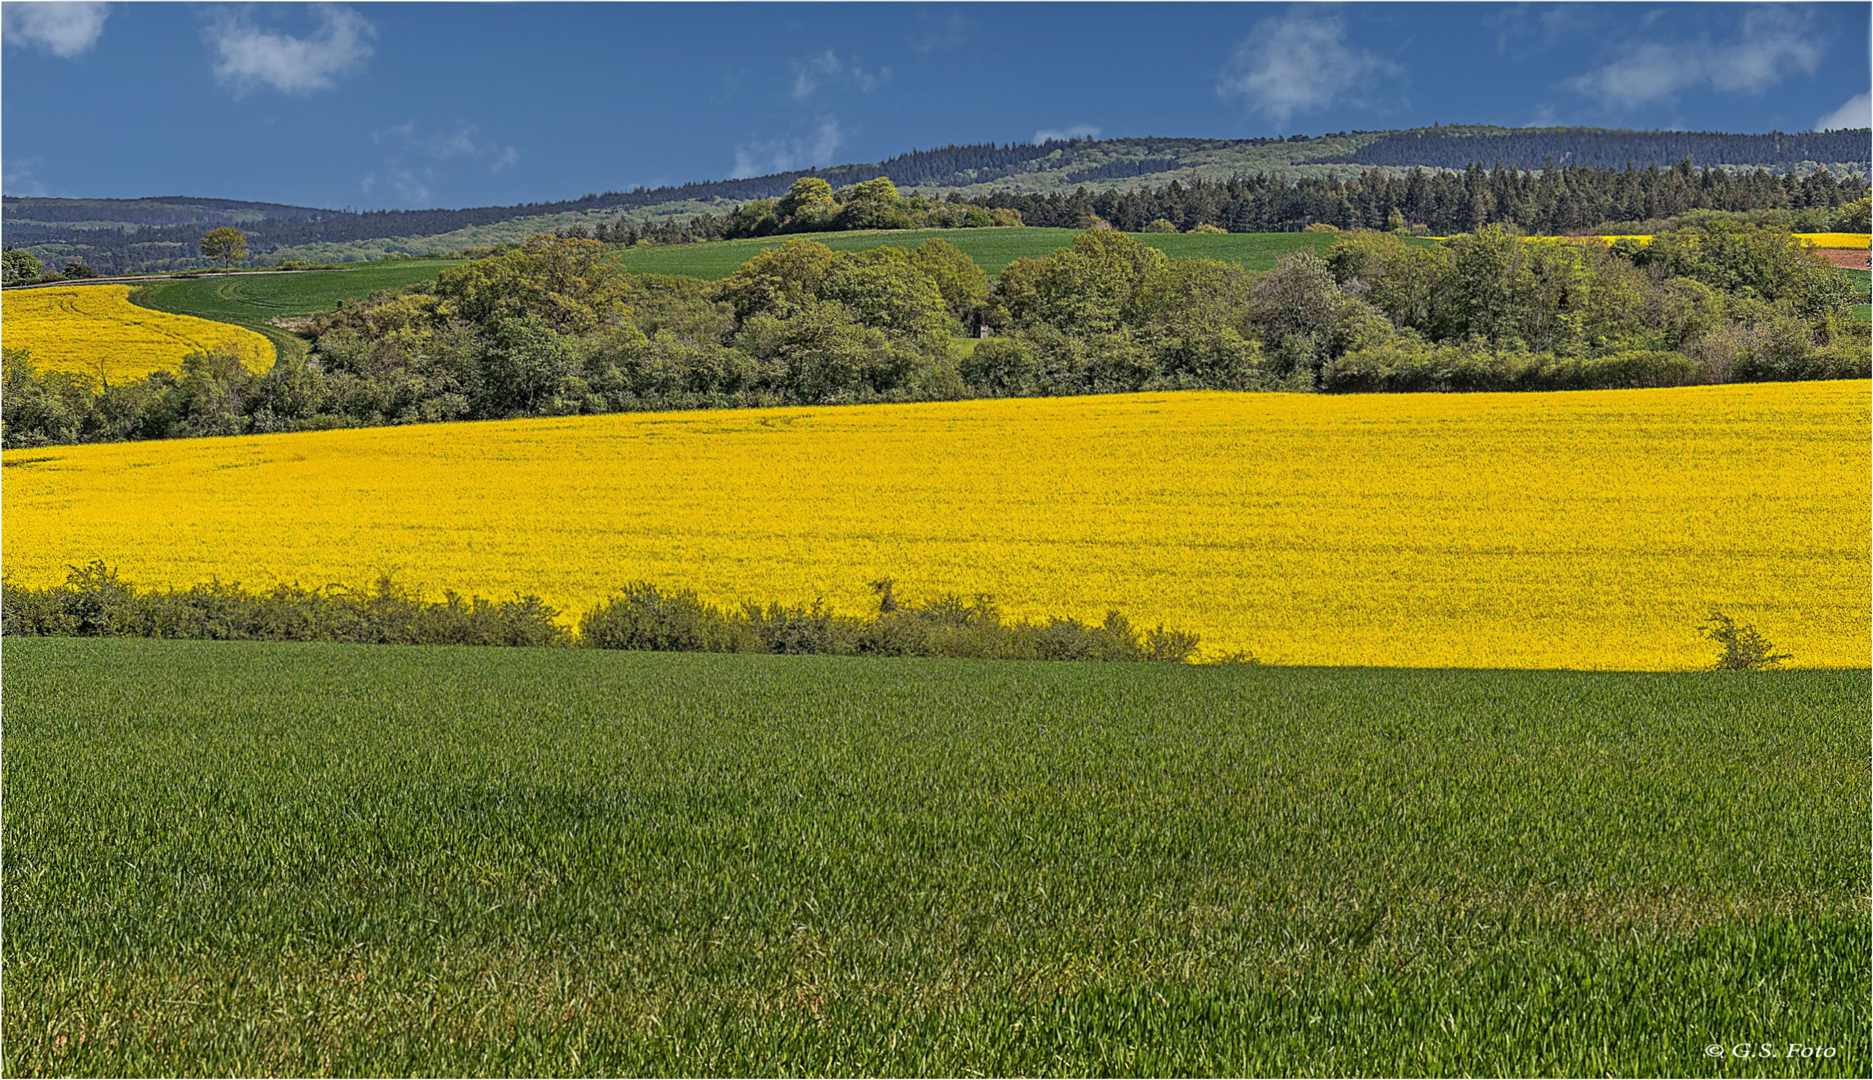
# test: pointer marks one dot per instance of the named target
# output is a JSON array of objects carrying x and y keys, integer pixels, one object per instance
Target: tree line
[
  {"x": 1596, "y": 192},
  {"x": 1543, "y": 148},
  {"x": 1562, "y": 199},
  {"x": 556, "y": 327}
]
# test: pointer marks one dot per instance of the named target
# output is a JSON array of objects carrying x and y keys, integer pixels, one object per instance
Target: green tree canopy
[
  {"x": 569, "y": 283},
  {"x": 17, "y": 267},
  {"x": 226, "y": 245}
]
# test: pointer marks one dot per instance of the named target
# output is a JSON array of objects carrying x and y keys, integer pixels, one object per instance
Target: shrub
[
  {"x": 642, "y": 616},
  {"x": 1743, "y": 648},
  {"x": 95, "y": 602}
]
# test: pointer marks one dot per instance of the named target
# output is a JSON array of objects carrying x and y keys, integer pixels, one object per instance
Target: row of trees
[
  {"x": 1532, "y": 148},
  {"x": 1561, "y": 195},
  {"x": 554, "y": 327},
  {"x": 1556, "y": 200},
  {"x": 812, "y": 205}
]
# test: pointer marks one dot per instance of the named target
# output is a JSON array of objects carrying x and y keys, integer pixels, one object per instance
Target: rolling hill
[{"x": 159, "y": 233}]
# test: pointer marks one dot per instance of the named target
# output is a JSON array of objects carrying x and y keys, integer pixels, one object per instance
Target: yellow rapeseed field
[
  {"x": 1581, "y": 530},
  {"x": 95, "y": 330},
  {"x": 1851, "y": 240},
  {"x": 1821, "y": 240}
]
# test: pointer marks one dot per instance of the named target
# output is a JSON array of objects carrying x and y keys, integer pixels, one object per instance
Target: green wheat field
[{"x": 229, "y": 858}]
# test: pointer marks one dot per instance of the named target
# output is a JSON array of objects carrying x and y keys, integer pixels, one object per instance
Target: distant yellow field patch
[
  {"x": 1822, "y": 240},
  {"x": 1850, "y": 240},
  {"x": 95, "y": 330},
  {"x": 1574, "y": 530}
]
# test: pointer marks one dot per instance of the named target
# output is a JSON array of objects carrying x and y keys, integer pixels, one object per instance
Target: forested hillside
[
  {"x": 1538, "y": 148},
  {"x": 126, "y": 235}
]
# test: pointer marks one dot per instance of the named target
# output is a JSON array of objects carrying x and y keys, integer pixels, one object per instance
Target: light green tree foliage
[
  {"x": 779, "y": 281},
  {"x": 808, "y": 206},
  {"x": 1481, "y": 294},
  {"x": 527, "y": 369},
  {"x": 884, "y": 288},
  {"x": 19, "y": 266},
  {"x": 225, "y": 245},
  {"x": 758, "y": 217},
  {"x": 823, "y": 355},
  {"x": 568, "y": 283},
  {"x": 1403, "y": 280},
  {"x": 875, "y": 204},
  {"x": 1853, "y": 216},
  {"x": 1297, "y": 299},
  {"x": 1196, "y": 321},
  {"x": 963, "y": 284},
  {"x": 1098, "y": 284}
]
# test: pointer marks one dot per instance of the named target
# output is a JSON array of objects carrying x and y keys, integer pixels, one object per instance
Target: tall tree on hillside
[
  {"x": 225, "y": 245},
  {"x": 20, "y": 266}
]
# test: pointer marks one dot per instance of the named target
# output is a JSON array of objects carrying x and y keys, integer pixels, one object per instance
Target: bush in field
[
  {"x": 94, "y": 601},
  {"x": 1743, "y": 649},
  {"x": 643, "y": 616}
]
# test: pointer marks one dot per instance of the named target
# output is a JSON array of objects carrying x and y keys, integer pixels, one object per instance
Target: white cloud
[
  {"x": 1071, "y": 131},
  {"x": 1770, "y": 45},
  {"x": 1300, "y": 63},
  {"x": 19, "y": 177},
  {"x": 249, "y": 57},
  {"x": 1857, "y": 113},
  {"x": 826, "y": 69},
  {"x": 461, "y": 141},
  {"x": 411, "y": 186},
  {"x": 62, "y": 29},
  {"x": 939, "y": 34},
  {"x": 787, "y": 154},
  {"x": 411, "y": 155}
]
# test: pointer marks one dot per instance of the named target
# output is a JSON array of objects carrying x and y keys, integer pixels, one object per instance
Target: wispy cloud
[
  {"x": 410, "y": 186},
  {"x": 1856, "y": 113},
  {"x": 413, "y": 154},
  {"x": 19, "y": 177},
  {"x": 1523, "y": 28},
  {"x": 826, "y": 69},
  {"x": 62, "y": 29},
  {"x": 940, "y": 33},
  {"x": 1770, "y": 44},
  {"x": 1300, "y": 63},
  {"x": 1071, "y": 131},
  {"x": 813, "y": 151},
  {"x": 248, "y": 58}
]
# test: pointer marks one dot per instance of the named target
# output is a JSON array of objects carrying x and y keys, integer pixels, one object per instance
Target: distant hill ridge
[
  {"x": 123, "y": 234},
  {"x": 1536, "y": 148}
]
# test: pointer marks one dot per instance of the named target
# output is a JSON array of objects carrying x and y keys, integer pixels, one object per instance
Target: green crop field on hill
[
  {"x": 262, "y": 858},
  {"x": 253, "y": 300},
  {"x": 992, "y": 249}
]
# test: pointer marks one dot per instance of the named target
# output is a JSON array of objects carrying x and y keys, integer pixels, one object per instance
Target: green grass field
[
  {"x": 251, "y": 300},
  {"x": 298, "y": 859},
  {"x": 992, "y": 249},
  {"x": 1863, "y": 312}
]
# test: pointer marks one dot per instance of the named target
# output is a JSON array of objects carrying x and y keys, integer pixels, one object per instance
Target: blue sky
[{"x": 417, "y": 105}]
